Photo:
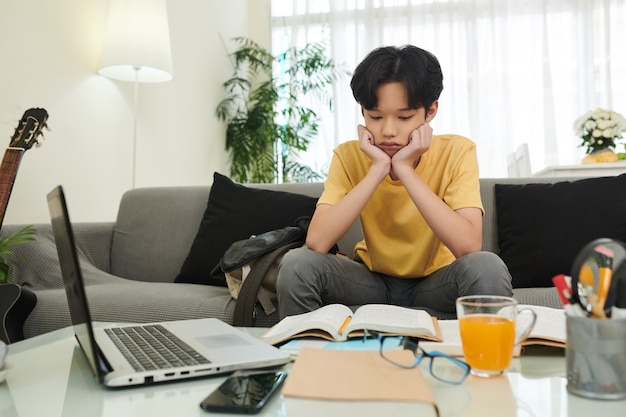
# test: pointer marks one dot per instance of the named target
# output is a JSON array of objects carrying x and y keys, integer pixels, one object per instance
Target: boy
[{"x": 417, "y": 196}]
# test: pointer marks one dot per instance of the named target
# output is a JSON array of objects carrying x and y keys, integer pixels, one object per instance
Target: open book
[
  {"x": 338, "y": 322},
  {"x": 549, "y": 330}
]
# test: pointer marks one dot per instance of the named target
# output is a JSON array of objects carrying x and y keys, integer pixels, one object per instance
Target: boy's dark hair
[{"x": 418, "y": 70}]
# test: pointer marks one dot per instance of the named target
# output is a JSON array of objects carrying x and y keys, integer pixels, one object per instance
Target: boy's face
[{"x": 392, "y": 121}]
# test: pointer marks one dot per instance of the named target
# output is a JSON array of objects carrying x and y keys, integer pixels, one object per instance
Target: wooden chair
[{"x": 518, "y": 162}]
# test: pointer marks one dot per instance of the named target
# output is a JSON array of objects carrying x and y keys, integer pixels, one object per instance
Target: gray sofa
[{"x": 129, "y": 265}]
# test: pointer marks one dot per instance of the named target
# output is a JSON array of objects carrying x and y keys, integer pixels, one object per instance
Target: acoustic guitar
[{"x": 16, "y": 302}]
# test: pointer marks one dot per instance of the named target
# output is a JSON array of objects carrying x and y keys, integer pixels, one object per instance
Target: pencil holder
[{"x": 596, "y": 357}]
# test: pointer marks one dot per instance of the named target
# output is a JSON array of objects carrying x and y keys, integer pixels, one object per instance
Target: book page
[
  {"x": 392, "y": 319},
  {"x": 451, "y": 335},
  {"x": 329, "y": 318},
  {"x": 550, "y": 324}
]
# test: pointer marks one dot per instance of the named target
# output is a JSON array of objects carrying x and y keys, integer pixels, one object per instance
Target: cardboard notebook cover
[{"x": 355, "y": 376}]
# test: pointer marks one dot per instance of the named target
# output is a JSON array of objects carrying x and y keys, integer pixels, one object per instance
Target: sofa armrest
[{"x": 36, "y": 264}]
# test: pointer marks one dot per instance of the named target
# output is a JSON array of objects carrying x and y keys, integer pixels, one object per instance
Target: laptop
[{"x": 195, "y": 348}]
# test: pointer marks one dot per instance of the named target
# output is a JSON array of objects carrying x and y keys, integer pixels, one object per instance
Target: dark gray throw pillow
[
  {"x": 235, "y": 212},
  {"x": 542, "y": 227}
]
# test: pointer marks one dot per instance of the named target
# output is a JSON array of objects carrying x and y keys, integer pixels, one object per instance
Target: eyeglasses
[{"x": 443, "y": 367}]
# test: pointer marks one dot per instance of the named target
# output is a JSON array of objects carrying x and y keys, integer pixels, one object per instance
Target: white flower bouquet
[{"x": 600, "y": 129}]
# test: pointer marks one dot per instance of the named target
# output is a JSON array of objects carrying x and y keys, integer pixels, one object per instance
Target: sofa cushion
[
  {"x": 541, "y": 227},
  {"x": 235, "y": 212}
]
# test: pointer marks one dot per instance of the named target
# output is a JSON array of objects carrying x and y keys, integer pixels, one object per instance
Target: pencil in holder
[{"x": 596, "y": 357}]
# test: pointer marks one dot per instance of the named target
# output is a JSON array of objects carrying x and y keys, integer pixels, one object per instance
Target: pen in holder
[{"x": 596, "y": 357}]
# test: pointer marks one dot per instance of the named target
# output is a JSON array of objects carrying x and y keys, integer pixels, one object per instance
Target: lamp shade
[{"x": 137, "y": 42}]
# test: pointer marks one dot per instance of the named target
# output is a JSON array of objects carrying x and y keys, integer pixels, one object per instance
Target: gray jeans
[{"x": 308, "y": 280}]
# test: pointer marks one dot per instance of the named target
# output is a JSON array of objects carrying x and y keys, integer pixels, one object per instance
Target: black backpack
[{"x": 251, "y": 268}]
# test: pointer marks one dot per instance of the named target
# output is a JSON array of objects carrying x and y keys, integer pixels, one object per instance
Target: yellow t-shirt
[{"x": 397, "y": 240}]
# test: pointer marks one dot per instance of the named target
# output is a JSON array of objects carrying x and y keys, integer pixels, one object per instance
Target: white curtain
[{"x": 515, "y": 71}]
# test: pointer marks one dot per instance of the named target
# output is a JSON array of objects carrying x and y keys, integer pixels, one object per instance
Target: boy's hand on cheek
[
  {"x": 366, "y": 144},
  {"x": 366, "y": 139},
  {"x": 420, "y": 138},
  {"x": 419, "y": 142}
]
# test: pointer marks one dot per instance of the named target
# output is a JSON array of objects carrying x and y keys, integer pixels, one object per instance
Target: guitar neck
[{"x": 8, "y": 172}]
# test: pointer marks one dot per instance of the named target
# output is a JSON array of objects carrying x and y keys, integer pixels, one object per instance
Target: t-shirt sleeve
[
  {"x": 464, "y": 189},
  {"x": 340, "y": 179}
]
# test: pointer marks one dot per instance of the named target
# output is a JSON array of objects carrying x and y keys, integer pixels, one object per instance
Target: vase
[{"x": 600, "y": 156}]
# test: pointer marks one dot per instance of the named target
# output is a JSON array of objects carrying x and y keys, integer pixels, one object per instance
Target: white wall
[{"x": 49, "y": 54}]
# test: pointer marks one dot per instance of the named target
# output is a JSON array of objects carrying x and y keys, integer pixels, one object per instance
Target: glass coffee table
[{"x": 50, "y": 377}]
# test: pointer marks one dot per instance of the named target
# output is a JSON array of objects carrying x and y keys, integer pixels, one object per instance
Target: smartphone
[{"x": 244, "y": 392}]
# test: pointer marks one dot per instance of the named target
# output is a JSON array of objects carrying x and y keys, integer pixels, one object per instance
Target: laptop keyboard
[{"x": 152, "y": 347}]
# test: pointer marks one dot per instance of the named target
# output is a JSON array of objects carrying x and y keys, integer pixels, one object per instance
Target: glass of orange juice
[{"x": 488, "y": 331}]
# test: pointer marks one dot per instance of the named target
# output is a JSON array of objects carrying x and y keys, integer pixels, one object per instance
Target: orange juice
[{"x": 487, "y": 341}]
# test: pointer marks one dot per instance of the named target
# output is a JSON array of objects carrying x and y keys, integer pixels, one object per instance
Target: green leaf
[
  {"x": 267, "y": 124},
  {"x": 23, "y": 235}
]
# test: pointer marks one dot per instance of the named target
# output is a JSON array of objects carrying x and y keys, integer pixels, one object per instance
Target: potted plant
[
  {"x": 16, "y": 302},
  {"x": 600, "y": 131},
  {"x": 268, "y": 120}
]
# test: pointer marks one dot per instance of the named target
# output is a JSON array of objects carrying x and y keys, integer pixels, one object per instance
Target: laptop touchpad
[{"x": 221, "y": 341}]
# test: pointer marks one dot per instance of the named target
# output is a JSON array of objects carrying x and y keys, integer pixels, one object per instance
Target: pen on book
[{"x": 345, "y": 324}]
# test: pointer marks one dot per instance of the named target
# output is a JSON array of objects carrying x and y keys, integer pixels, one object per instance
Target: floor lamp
[{"x": 137, "y": 49}]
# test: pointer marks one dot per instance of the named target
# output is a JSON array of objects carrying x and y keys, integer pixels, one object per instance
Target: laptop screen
[{"x": 72, "y": 277}]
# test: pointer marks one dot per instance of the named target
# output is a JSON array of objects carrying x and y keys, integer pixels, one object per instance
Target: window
[{"x": 515, "y": 71}]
